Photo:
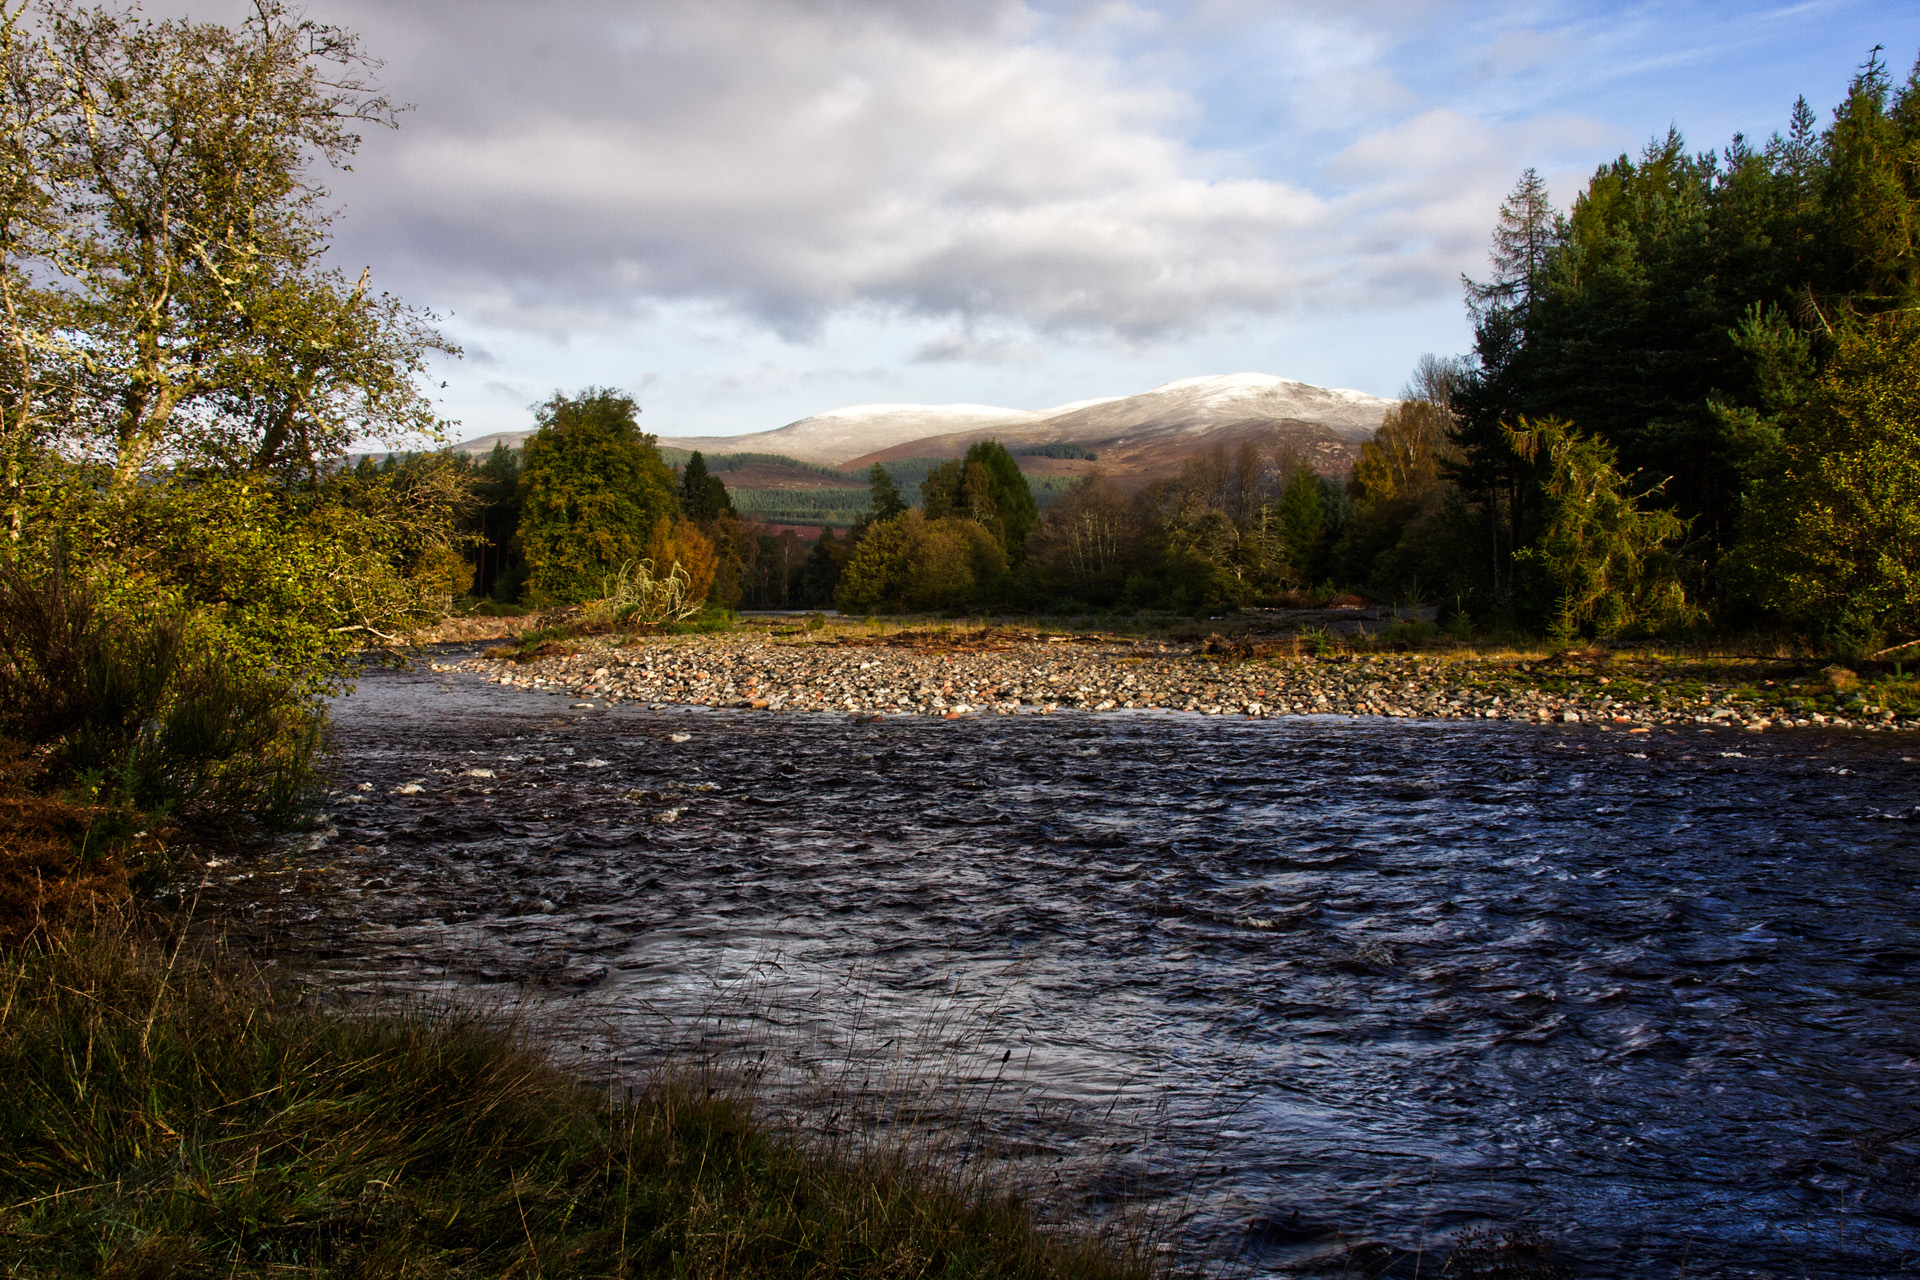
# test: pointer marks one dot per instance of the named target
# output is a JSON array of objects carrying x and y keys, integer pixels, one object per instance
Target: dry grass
[{"x": 61, "y": 862}]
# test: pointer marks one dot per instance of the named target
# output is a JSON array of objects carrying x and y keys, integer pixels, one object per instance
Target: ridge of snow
[
  {"x": 1227, "y": 383},
  {"x": 1071, "y": 405},
  {"x": 1186, "y": 406},
  {"x": 925, "y": 410}
]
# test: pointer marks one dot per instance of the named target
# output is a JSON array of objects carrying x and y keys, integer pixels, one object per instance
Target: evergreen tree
[
  {"x": 1524, "y": 237},
  {"x": 1832, "y": 534},
  {"x": 1303, "y": 521},
  {"x": 818, "y": 576},
  {"x": 1014, "y": 509},
  {"x": 702, "y": 495},
  {"x": 886, "y": 502},
  {"x": 1872, "y": 179},
  {"x": 1600, "y": 560},
  {"x": 987, "y": 486},
  {"x": 494, "y": 521}
]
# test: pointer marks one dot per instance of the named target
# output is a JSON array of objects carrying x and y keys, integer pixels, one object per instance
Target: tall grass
[{"x": 171, "y": 1114}]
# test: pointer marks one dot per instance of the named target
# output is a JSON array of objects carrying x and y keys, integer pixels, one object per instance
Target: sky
[{"x": 743, "y": 212}]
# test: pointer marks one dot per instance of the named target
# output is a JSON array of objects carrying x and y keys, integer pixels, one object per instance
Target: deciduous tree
[
  {"x": 593, "y": 490},
  {"x": 163, "y": 243}
]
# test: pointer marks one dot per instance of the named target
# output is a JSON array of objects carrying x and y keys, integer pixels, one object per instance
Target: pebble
[{"x": 868, "y": 678}]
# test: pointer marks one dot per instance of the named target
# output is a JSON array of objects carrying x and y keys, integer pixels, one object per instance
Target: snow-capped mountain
[{"x": 1183, "y": 414}]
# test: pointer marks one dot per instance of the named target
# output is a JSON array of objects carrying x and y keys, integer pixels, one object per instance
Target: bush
[{"x": 139, "y": 707}]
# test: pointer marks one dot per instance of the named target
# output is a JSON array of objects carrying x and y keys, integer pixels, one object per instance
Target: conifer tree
[
  {"x": 886, "y": 502},
  {"x": 1524, "y": 236},
  {"x": 703, "y": 496}
]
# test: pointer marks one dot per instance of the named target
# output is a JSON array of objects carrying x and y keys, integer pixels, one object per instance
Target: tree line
[
  {"x": 1692, "y": 395},
  {"x": 590, "y": 494}
]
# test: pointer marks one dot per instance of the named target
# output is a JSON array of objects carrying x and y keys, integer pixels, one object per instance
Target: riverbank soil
[
  {"x": 1007, "y": 671},
  {"x": 173, "y": 1114}
]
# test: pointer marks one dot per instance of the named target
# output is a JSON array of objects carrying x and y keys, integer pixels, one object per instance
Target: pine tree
[
  {"x": 702, "y": 495},
  {"x": 886, "y": 502},
  {"x": 1832, "y": 530},
  {"x": 1523, "y": 238},
  {"x": 1600, "y": 558},
  {"x": 1870, "y": 190}
]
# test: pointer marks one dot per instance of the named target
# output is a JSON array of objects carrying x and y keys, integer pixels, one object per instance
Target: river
[{"x": 1334, "y": 989}]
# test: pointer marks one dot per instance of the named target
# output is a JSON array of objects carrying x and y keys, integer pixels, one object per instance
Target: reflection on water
[{"x": 1380, "y": 979}]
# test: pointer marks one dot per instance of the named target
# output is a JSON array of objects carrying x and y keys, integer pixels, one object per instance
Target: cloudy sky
[{"x": 746, "y": 211}]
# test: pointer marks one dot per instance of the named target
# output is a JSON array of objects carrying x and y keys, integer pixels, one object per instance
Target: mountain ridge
[{"x": 1155, "y": 424}]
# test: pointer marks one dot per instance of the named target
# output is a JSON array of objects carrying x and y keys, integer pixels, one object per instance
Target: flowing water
[{"x": 1339, "y": 987}]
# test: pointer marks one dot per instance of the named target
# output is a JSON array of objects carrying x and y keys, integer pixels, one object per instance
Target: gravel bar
[{"x": 882, "y": 677}]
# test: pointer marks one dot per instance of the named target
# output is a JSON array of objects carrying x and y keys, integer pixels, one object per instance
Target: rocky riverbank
[{"x": 941, "y": 674}]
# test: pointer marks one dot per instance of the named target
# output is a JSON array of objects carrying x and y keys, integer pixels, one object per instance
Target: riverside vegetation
[
  {"x": 1690, "y": 412},
  {"x": 171, "y": 1113}
]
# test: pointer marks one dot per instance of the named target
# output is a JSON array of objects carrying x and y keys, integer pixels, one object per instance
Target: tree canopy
[
  {"x": 161, "y": 235},
  {"x": 592, "y": 490},
  {"x": 1688, "y": 312}
]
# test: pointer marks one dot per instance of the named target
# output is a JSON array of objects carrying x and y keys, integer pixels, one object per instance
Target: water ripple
[{"x": 1655, "y": 994}]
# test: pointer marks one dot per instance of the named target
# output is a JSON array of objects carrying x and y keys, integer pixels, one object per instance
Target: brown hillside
[{"x": 1137, "y": 462}]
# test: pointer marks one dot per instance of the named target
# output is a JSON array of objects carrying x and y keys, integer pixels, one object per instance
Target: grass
[{"x": 170, "y": 1113}]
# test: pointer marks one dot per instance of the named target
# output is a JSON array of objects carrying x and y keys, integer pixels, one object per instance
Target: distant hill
[{"x": 1133, "y": 439}]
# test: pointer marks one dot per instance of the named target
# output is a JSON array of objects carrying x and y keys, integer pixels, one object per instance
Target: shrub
[{"x": 138, "y": 706}]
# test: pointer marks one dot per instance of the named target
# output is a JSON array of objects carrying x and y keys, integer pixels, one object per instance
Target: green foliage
[
  {"x": 191, "y": 567},
  {"x": 141, "y": 708},
  {"x": 1055, "y": 451},
  {"x": 886, "y": 502},
  {"x": 170, "y": 1116},
  {"x": 1680, "y": 309},
  {"x": 1303, "y": 519},
  {"x": 288, "y": 579},
  {"x": 986, "y": 487},
  {"x": 161, "y": 242},
  {"x": 769, "y": 568},
  {"x": 913, "y": 561},
  {"x": 818, "y": 577},
  {"x": 836, "y": 506},
  {"x": 493, "y": 522},
  {"x": 1600, "y": 557},
  {"x": 1832, "y": 533},
  {"x": 719, "y": 462},
  {"x": 592, "y": 488}
]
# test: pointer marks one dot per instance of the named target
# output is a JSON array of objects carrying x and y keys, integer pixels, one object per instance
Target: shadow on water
[{"x": 1368, "y": 982}]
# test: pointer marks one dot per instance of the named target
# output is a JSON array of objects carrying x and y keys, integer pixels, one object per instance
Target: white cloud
[{"x": 790, "y": 161}]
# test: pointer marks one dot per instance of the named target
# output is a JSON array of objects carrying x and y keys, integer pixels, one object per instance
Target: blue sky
[{"x": 747, "y": 211}]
